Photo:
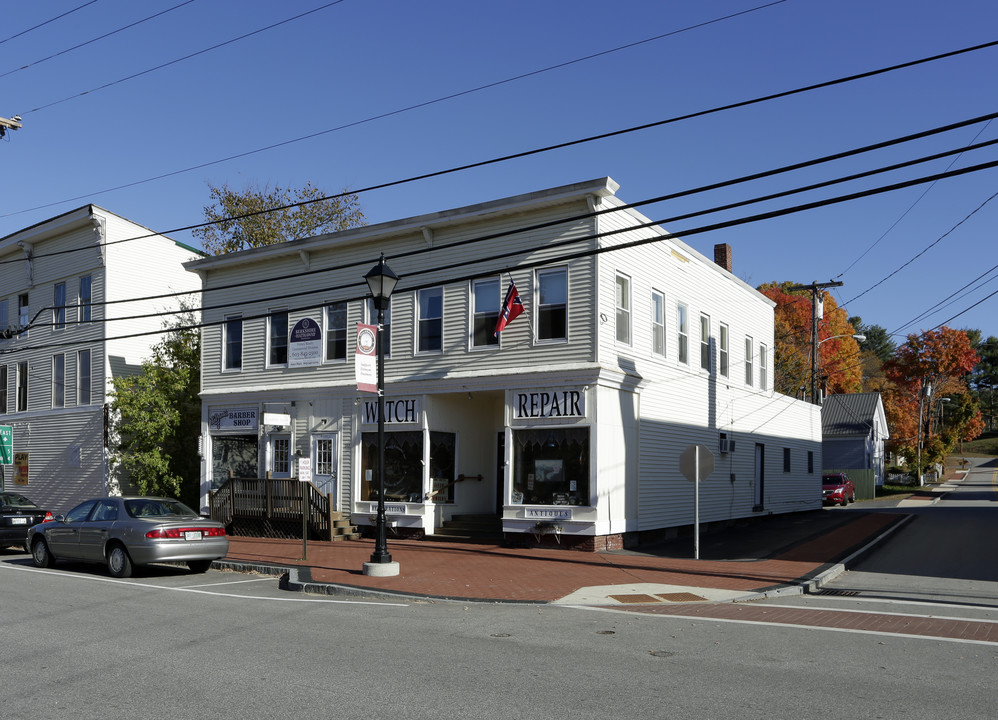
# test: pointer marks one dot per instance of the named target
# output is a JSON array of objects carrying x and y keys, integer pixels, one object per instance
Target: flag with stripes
[{"x": 511, "y": 309}]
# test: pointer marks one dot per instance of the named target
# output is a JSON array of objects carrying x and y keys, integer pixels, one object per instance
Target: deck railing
[{"x": 270, "y": 507}]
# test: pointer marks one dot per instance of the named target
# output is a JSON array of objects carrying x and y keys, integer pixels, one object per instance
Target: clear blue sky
[{"x": 359, "y": 59}]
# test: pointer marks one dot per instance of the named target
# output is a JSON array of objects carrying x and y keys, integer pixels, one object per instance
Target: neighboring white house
[
  {"x": 854, "y": 428},
  {"x": 62, "y": 279},
  {"x": 572, "y": 420}
]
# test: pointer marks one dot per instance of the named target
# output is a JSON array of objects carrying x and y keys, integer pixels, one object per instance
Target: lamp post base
[{"x": 388, "y": 569}]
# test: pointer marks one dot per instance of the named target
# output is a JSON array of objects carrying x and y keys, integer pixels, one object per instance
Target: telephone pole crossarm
[{"x": 12, "y": 124}]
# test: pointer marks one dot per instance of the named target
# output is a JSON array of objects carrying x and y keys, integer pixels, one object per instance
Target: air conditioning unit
[{"x": 727, "y": 446}]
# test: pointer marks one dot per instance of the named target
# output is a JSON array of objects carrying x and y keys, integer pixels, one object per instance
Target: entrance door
[
  {"x": 279, "y": 455},
  {"x": 324, "y": 462},
  {"x": 760, "y": 474}
]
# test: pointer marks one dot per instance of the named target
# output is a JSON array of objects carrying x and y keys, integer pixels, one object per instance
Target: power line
[{"x": 50, "y": 20}]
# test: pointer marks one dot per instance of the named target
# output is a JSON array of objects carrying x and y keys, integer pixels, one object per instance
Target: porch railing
[{"x": 272, "y": 507}]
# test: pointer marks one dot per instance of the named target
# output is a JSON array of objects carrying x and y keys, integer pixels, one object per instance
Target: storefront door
[
  {"x": 324, "y": 462},
  {"x": 279, "y": 455}
]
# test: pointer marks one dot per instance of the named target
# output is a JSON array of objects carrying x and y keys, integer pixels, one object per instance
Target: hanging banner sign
[
  {"x": 305, "y": 344},
  {"x": 365, "y": 360}
]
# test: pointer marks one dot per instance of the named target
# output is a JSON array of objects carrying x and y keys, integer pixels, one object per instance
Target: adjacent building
[
  {"x": 78, "y": 301},
  {"x": 570, "y": 423},
  {"x": 854, "y": 428}
]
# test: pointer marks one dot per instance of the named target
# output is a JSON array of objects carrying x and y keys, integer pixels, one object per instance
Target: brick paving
[{"x": 490, "y": 572}]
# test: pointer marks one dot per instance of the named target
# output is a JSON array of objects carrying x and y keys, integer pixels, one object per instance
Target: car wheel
[
  {"x": 118, "y": 562},
  {"x": 40, "y": 554},
  {"x": 845, "y": 499},
  {"x": 853, "y": 498},
  {"x": 199, "y": 566}
]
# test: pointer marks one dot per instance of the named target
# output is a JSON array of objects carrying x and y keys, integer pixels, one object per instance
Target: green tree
[
  {"x": 257, "y": 216},
  {"x": 158, "y": 417}
]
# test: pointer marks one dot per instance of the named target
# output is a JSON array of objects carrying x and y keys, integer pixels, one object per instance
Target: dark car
[
  {"x": 123, "y": 532},
  {"x": 837, "y": 488},
  {"x": 17, "y": 514}
]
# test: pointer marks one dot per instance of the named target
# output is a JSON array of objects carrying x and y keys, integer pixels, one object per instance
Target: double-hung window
[
  {"x": 22, "y": 386},
  {"x": 86, "y": 298},
  {"x": 623, "y": 316},
  {"x": 233, "y": 344},
  {"x": 3, "y": 389},
  {"x": 763, "y": 367},
  {"x": 59, "y": 306},
  {"x": 658, "y": 323},
  {"x": 83, "y": 378},
  {"x": 22, "y": 312},
  {"x": 683, "y": 333},
  {"x": 749, "y": 361},
  {"x": 336, "y": 331},
  {"x": 484, "y": 313},
  {"x": 552, "y": 304},
  {"x": 4, "y": 319},
  {"x": 723, "y": 350},
  {"x": 705, "y": 342},
  {"x": 277, "y": 338},
  {"x": 430, "y": 320},
  {"x": 58, "y": 380}
]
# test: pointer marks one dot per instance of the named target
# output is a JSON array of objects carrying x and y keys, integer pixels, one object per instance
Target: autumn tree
[
  {"x": 839, "y": 365},
  {"x": 927, "y": 368},
  {"x": 259, "y": 216},
  {"x": 877, "y": 349},
  {"x": 985, "y": 378},
  {"x": 158, "y": 417}
]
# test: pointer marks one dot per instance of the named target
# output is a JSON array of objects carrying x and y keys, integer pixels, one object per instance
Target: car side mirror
[{"x": 60, "y": 518}]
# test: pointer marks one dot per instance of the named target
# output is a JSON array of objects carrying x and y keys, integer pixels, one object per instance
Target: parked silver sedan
[{"x": 123, "y": 532}]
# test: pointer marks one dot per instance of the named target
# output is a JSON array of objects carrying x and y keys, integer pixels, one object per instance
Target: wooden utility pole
[
  {"x": 13, "y": 124},
  {"x": 817, "y": 312}
]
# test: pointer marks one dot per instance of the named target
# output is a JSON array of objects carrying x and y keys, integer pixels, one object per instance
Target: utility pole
[
  {"x": 13, "y": 124},
  {"x": 817, "y": 312}
]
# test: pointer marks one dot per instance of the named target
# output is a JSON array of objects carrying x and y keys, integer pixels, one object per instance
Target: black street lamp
[{"x": 382, "y": 282}]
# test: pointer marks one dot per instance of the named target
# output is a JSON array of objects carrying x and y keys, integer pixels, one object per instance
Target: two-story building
[
  {"x": 77, "y": 297},
  {"x": 633, "y": 346}
]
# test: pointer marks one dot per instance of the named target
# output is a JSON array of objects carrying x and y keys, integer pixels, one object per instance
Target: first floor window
[
  {"x": 336, "y": 331},
  {"x": 786, "y": 459},
  {"x": 278, "y": 338},
  {"x": 430, "y": 322},
  {"x": 83, "y": 381},
  {"x": 658, "y": 323},
  {"x": 233, "y": 349},
  {"x": 403, "y": 466},
  {"x": 810, "y": 461},
  {"x": 551, "y": 466},
  {"x": 22, "y": 386},
  {"x": 58, "y": 380},
  {"x": 552, "y": 304},
  {"x": 484, "y": 313},
  {"x": 623, "y": 298},
  {"x": 232, "y": 455}
]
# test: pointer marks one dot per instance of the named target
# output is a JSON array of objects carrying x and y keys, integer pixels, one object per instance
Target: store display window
[{"x": 551, "y": 466}]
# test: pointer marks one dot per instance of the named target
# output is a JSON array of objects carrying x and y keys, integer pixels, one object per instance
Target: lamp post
[
  {"x": 814, "y": 362},
  {"x": 926, "y": 392},
  {"x": 381, "y": 280}
]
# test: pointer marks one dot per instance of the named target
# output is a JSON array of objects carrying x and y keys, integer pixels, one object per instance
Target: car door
[
  {"x": 63, "y": 538},
  {"x": 93, "y": 531}
]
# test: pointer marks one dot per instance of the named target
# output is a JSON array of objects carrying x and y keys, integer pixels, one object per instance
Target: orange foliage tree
[
  {"x": 839, "y": 364},
  {"x": 927, "y": 368}
]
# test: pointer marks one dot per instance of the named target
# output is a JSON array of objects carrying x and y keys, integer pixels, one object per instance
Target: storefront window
[
  {"x": 442, "y": 467},
  {"x": 403, "y": 466},
  {"x": 551, "y": 466},
  {"x": 232, "y": 453}
]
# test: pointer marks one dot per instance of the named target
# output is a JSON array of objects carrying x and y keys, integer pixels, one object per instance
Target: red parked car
[{"x": 837, "y": 488}]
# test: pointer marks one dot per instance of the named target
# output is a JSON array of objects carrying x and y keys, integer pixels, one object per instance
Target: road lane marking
[
  {"x": 820, "y": 608},
  {"x": 150, "y": 586},
  {"x": 235, "y": 582}
]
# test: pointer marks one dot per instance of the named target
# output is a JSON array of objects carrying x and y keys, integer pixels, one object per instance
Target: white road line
[
  {"x": 235, "y": 582},
  {"x": 700, "y": 618},
  {"x": 149, "y": 586},
  {"x": 819, "y": 608}
]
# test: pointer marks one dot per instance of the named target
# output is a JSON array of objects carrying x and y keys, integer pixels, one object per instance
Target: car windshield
[
  {"x": 832, "y": 480},
  {"x": 145, "y": 508},
  {"x": 15, "y": 500}
]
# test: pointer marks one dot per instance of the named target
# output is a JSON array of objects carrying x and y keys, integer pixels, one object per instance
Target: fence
[{"x": 272, "y": 507}]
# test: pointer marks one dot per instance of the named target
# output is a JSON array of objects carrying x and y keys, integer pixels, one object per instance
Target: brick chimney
[{"x": 722, "y": 255}]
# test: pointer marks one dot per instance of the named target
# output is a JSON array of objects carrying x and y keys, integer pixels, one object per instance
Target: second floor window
[
  {"x": 86, "y": 298},
  {"x": 59, "y": 381},
  {"x": 623, "y": 298},
  {"x": 83, "y": 378},
  {"x": 277, "y": 338},
  {"x": 233, "y": 343},
  {"x": 749, "y": 364},
  {"x": 658, "y": 323},
  {"x": 4, "y": 318},
  {"x": 552, "y": 304},
  {"x": 59, "y": 306},
  {"x": 723, "y": 350},
  {"x": 683, "y": 333},
  {"x": 3, "y": 389},
  {"x": 22, "y": 311},
  {"x": 22, "y": 386},
  {"x": 705, "y": 342},
  {"x": 484, "y": 313},
  {"x": 430, "y": 320},
  {"x": 763, "y": 362},
  {"x": 336, "y": 331}
]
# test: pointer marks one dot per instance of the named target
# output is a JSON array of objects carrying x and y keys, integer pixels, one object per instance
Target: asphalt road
[{"x": 77, "y": 643}]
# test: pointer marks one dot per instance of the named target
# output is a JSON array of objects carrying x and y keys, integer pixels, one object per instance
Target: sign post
[
  {"x": 6, "y": 450},
  {"x": 304, "y": 476},
  {"x": 696, "y": 463}
]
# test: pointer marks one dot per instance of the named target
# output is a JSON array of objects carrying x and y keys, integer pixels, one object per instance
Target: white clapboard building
[
  {"x": 67, "y": 332},
  {"x": 632, "y": 347}
]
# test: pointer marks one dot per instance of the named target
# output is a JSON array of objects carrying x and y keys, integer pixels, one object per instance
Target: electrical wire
[{"x": 43, "y": 24}]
